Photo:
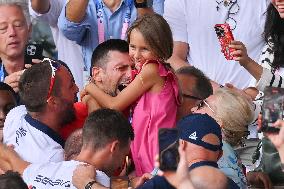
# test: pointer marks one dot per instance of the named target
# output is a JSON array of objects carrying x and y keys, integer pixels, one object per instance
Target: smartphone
[
  {"x": 33, "y": 51},
  {"x": 119, "y": 182},
  {"x": 168, "y": 149},
  {"x": 225, "y": 37},
  {"x": 272, "y": 108}
]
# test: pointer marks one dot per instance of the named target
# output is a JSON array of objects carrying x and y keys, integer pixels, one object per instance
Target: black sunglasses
[{"x": 192, "y": 97}]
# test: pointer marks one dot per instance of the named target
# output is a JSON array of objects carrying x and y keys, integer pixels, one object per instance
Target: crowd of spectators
[{"x": 141, "y": 95}]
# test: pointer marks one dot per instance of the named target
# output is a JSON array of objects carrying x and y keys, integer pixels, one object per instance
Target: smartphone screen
[
  {"x": 168, "y": 149},
  {"x": 225, "y": 37},
  {"x": 119, "y": 182},
  {"x": 272, "y": 108}
]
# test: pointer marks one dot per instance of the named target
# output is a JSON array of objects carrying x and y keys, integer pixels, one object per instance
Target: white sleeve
[
  {"x": 175, "y": 14},
  {"x": 51, "y": 17},
  {"x": 11, "y": 124},
  {"x": 102, "y": 178}
]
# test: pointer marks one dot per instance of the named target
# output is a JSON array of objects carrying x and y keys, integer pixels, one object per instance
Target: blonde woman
[{"x": 233, "y": 112}]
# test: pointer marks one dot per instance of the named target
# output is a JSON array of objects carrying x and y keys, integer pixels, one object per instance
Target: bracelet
[{"x": 90, "y": 184}]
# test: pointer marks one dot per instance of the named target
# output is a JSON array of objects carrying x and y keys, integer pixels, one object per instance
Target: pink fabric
[{"x": 153, "y": 111}]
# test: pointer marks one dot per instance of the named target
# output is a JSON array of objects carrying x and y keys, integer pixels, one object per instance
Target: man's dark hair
[
  {"x": 6, "y": 87},
  {"x": 104, "y": 126},
  {"x": 100, "y": 54},
  {"x": 34, "y": 86},
  {"x": 12, "y": 180},
  {"x": 203, "y": 87}
]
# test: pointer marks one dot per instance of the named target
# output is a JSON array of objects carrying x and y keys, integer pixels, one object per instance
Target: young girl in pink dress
[{"x": 153, "y": 93}]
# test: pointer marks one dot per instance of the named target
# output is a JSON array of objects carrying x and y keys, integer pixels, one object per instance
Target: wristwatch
[
  {"x": 143, "y": 3},
  {"x": 90, "y": 184}
]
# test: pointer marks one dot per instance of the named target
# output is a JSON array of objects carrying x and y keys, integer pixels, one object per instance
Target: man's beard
[{"x": 68, "y": 114}]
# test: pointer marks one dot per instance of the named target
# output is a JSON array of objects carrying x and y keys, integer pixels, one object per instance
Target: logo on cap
[{"x": 193, "y": 136}]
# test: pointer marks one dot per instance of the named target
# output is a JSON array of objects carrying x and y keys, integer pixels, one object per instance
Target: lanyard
[
  {"x": 100, "y": 18},
  {"x": 2, "y": 74}
]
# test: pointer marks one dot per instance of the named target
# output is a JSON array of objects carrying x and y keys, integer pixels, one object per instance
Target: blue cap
[{"x": 194, "y": 127}]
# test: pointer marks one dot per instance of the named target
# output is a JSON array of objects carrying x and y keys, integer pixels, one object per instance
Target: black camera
[
  {"x": 168, "y": 145},
  {"x": 272, "y": 108}
]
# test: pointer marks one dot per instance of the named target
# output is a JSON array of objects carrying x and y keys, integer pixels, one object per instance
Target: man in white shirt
[
  {"x": 195, "y": 41},
  {"x": 106, "y": 142},
  {"x": 48, "y": 92},
  {"x": 68, "y": 51}
]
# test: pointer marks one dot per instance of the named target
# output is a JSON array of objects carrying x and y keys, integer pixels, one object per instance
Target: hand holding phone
[
  {"x": 225, "y": 37},
  {"x": 168, "y": 149}
]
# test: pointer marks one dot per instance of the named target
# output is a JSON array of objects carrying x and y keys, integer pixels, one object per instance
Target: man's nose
[{"x": 11, "y": 31}]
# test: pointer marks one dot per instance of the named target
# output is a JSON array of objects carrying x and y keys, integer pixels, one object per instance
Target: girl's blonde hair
[
  {"x": 157, "y": 34},
  {"x": 235, "y": 112}
]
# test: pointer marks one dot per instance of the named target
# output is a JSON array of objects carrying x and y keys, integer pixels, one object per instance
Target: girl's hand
[
  {"x": 240, "y": 53},
  {"x": 83, "y": 93}
]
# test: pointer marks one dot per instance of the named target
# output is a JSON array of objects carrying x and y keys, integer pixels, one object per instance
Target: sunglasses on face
[
  {"x": 191, "y": 97},
  {"x": 54, "y": 67},
  {"x": 202, "y": 104}
]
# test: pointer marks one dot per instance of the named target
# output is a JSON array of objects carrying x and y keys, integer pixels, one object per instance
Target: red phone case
[{"x": 225, "y": 37}]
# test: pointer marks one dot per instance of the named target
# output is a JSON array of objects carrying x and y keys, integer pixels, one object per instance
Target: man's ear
[
  {"x": 114, "y": 146},
  {"x": 96, "y": 74}
]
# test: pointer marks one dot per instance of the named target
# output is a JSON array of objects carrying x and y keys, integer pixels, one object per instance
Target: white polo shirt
[
  {"x": 34, "y": 141},
  {"x": 193, "y": 21},
  {"x": 56, "y": 175}
]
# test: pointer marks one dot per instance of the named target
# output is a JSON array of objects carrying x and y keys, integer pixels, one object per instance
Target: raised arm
[
  {"x": 76, "y": 10},
  {"x": 241, "y": 55},
  {"x": 178, "y": 59},
  {"x": 143, "y": 82},
  {"x": 40, "y": 6}
]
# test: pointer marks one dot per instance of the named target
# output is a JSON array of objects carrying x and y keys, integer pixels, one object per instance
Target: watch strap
[{"x": 90, "y": 184}]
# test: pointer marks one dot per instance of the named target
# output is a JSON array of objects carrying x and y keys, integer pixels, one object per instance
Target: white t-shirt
[
  {"x": 56, "y": 175},
  {"x": 193, "y": 21},
  {"x": 68, "y": 51},
  {"x": 33, "y": 141}
]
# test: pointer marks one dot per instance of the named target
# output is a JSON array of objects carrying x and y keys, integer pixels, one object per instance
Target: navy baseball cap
[{"x": 194, "y": 127}]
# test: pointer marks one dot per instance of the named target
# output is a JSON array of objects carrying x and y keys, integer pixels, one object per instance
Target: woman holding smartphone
[{"x": 270, "y": 70}]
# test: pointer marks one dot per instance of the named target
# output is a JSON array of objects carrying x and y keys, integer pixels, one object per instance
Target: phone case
[
  {"x": 272, "y": 108},
  {"x": 225, "y": 37}
]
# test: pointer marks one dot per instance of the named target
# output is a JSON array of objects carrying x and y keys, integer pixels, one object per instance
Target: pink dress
[{"x": 153, "y": 111}]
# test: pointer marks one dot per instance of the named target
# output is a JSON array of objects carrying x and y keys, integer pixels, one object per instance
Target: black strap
[{"x": 90, "y": 184}]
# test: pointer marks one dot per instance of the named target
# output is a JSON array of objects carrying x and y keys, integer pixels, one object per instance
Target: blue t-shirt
[{"x": 159, "y": 182}]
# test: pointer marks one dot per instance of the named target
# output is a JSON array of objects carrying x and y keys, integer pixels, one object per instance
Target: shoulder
[{"x": 157, "y": 182}]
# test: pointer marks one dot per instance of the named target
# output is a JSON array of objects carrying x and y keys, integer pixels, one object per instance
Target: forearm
[
  {"x": 143, "y": 11},
  {"x": 101, "y": 97},
  {"x": 253, "y": 68},
  {"x": 40, "y": 6},
  {"x": 177, "y": 62},
  {"x": 76, "y": 10}
]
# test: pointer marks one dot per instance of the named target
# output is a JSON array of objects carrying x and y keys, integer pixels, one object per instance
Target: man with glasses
[
  {"x": 195, "y": 86},
  {"x": 15, "y": 27},
  {"x": 47, "y": 92},
  {"x": 195, "y": 41}
]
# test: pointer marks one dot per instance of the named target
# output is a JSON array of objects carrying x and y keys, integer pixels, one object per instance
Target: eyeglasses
[
  {"x": 54, "y": 67},
  {"x": 192, "y": 97},
  {"x": 201, "y": 105}
]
